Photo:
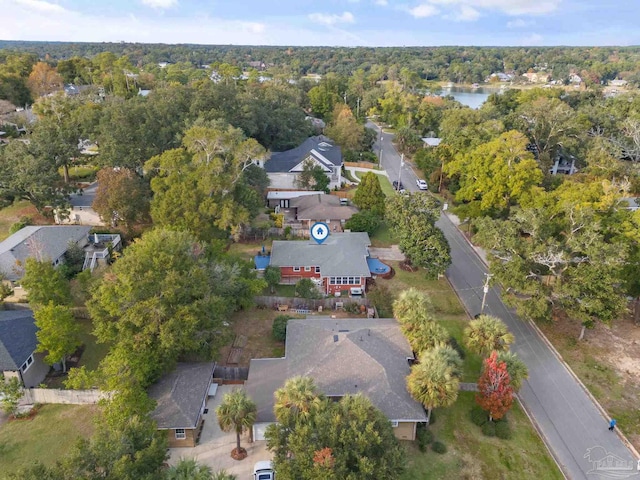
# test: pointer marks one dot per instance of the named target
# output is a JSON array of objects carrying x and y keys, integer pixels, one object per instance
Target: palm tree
[
  {"x": 429, "y": 335},
  {"x": 223, "y": 475},
  {"x": 412, "y": 305},
  {"x": 433, "y": 382},
  {"x": 516, "y": 368},
  {"x": 188, "y": 469},
  {"x": 236, "y": 412},
  {"x": 487, "y": 333},
  {"x": 296, "y": 399},
  {"x": 446, "y": 353}
]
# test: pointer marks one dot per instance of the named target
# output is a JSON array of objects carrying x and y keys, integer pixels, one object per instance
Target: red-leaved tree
[{"x": 495, "y": 394}]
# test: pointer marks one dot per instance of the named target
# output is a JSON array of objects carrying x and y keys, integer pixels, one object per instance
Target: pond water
[{"x": 471, "y": 97}]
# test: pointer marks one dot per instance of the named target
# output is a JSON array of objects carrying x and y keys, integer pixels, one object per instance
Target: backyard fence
[
  {"x": 305, "y": 305},
  {"x": 54, "y": 395}
]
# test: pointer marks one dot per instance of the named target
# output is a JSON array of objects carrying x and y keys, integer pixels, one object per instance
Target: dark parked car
[{"x": 397, "y": 185}]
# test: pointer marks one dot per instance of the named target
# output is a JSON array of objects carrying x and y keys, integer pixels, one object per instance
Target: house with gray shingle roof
[
  {"x": 310, "y": 209},
  {"x": 343, "y": 356},
  {"x": 181, "y": 396},
  {"x": 283, "y": 168},
  {"x": 336, "y": 265},
  {"x": 41, "y": 242},
  {"x": 18, "y": 343}
]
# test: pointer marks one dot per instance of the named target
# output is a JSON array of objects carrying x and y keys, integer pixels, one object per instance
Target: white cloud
[
  {"x": 331, "y": 18},
  {"x": 533, "y": 39},
  {"x": 509, "y": 7},
  {"x": 40, "y": 6},
  {"x": 160, "y": 3},
  {"x": 519, "y": 23},
  {"x": 382, "y": 3},
  {"x": 424, "y": 10},
  {"x": 467, "y": 14}
]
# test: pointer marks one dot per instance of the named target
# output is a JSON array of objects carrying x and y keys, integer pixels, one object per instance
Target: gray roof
[
  {"x": 321, "y": 148},
  {"x": 322, "y": 207},
  {"x": 42, "y": 241},
  {"x": 289, "y": 194},
  {"x": 180, "y": 394},
  {"x": 17, "y": 338},
  {"x": 343, "y": 356},
  {"x": 341, "y": 254},
  {"x": 432, "y": 141}
]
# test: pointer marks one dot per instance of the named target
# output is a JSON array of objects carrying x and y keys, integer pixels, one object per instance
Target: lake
[{"x": 471, "y": 97}]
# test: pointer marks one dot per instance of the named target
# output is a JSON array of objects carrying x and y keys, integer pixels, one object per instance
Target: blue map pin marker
[{"x": 319, "y": 232}]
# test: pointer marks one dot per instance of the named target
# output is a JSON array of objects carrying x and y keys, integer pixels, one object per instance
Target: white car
[
  {"x": 422, "y": 184},
  {"x": 263, "y": 470}
]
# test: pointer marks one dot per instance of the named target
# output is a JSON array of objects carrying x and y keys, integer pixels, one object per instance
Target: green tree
[
  {"x": 45, "y": 284},
  {"x": 305, "y": 288},
  {"x": 495, "y": 174},
  {"x": 73, "y": 260},
  {"x": 121, "y": 197},
  {"x": 43, "y": 80},
  {"x": 188, "y": 469},
  {"x": 10, "y": 394},
  {"x": 486, "y": 333},
  {"x": 237, "y": 413},
  {"x": 58, "y": 333},
  {"x": 415, "y": 313},
  {"x": 297, "y": 400},
  {"x": 433, "y": 382},
  {"x": 272, "y": 276},
  {"x": 348, "y": 439},
  {"x": 369, "y": 194},
  {"x": 312, "y": 177},
  {"x": 5, "y": 287},
  {"x": 344, "y": 129},
  {"x": 518, "y": 371}
]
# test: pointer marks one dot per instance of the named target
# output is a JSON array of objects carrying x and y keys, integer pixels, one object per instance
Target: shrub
[
  {"x": 352, "y": 307},
  {"x": 20, "y": 224},
  {"x": 489, "y": 429},
  {"x": 439, "y": 447},
  {"x": 503, "y": 430},
  {"x": 279, "y": 328},
  {"x": 479, "y": 416},
  {"x": 424, "y": 437}
]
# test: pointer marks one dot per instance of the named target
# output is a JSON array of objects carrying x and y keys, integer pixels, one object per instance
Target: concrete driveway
[{"x": 215, "y": 445}]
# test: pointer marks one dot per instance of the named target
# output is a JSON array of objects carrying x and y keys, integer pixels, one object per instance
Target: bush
[
  {"x": 279, "y": 328},
  {"x": 489, "y": 429},
  {"x": 478, "y": 416},
  {"x": 424, "y": 437},
  {"x": 352, "y": 307},
  {"x": 439, "y": 447},
  {"x": 20, "y": 224},
  {"x": 503, "y": 430}
]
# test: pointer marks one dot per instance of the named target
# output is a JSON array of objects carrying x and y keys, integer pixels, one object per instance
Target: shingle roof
[
  {"x": 320, "y": 147},
  {"x": 179, "y": 395},
  {"x": 341, "y": 254},
  {"x": 343, "y": 356},
  {"x": 322, "y": 207},
  {"x": 46, "y": 241},
  {"x": 17, "y": 338}
]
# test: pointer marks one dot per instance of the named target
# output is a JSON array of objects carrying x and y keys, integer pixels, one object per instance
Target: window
[
  {"x": 25, "y": 366},
  {"x": 180, "y": 434},
  {"x": 296, "y": 269},
  {"x": 394, "y": 423},
  {"x": 307, "y": 269},
  {"x": 317, "y": 269},
  {"x": 344, "y": 280}
]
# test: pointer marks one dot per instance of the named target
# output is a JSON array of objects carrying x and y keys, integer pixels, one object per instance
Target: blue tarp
[
  {"x": 376, "y": 267},
  {"x": 262, "y": 261}
]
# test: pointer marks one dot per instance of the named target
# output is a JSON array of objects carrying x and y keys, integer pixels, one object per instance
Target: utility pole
[
  {"x": 485, "y": 290},
  {"x": 358, "y": 108},
  {"x": 400, "y": 170}
]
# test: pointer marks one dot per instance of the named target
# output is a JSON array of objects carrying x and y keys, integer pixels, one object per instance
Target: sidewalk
[
  {"x": 352, "y": 171},
  {"x": 482, "y": 253}
]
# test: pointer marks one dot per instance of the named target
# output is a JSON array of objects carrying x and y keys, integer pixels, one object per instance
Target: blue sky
[{"x": 328, "y": 22}]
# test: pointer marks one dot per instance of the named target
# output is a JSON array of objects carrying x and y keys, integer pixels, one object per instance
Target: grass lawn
[
  {"x": 47, "y": 437},
  {"x": 247, "y": 251},
  {"x": 385, "y": 184},
  {"x": 11, "y": 214},
  {"x": 80, "y": 172},
  {"x": 383, "y": 237},
  {"x": 472, "y": 455}
]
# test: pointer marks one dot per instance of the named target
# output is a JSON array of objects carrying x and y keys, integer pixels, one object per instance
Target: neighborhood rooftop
[
  {"x": 17, "y": 338},
  {"x": 180, "y": 395},
  {"x": 343, "y": 356},
  {"x": 320, "y": 147},
  {"x": 36, "y": 241},
  {"x": 340, "y": 254},
  {"x": 313, "y": 207}
]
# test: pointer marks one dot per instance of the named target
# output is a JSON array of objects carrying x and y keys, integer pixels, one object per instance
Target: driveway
[
  {"x": 215, "y": 445},
  {"x": 392, "y": 253}
]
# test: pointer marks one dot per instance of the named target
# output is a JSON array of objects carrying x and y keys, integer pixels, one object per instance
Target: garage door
[{"x": 259, "y": 429}]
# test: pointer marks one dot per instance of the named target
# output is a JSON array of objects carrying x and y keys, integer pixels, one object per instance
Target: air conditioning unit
[{"x": 355, "y": 291}]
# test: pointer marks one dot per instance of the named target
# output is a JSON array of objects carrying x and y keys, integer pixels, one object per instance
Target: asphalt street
[{"x": 573, "y": 427}]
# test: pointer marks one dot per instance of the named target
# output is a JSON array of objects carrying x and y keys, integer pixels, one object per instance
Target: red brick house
[{"x": 339, "y": 264}]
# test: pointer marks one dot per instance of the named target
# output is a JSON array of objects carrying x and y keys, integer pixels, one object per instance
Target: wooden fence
[
  {"x": 304, "y": 305},
  {"x": 54, "y": 395}
]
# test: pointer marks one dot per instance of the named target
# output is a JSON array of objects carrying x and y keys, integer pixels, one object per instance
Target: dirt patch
[{"x": 608, "y": 363}]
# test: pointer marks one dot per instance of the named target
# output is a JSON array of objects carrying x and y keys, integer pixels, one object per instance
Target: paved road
[
  {"x": 391, "y": 159},
  {"x": 569, "y": 420}
]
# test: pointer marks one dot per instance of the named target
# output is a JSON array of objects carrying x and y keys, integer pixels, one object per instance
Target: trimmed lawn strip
[
  {"x": 47, "y": 437},
  {"x": 470, "y": 454},
  {"x": 383, "y": 237},
  {"x": 11, "y": 214},
  {"x": 385, "y": 184}
]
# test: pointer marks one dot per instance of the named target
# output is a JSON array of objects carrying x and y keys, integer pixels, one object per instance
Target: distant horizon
[{"x": 333, "y": 23}]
